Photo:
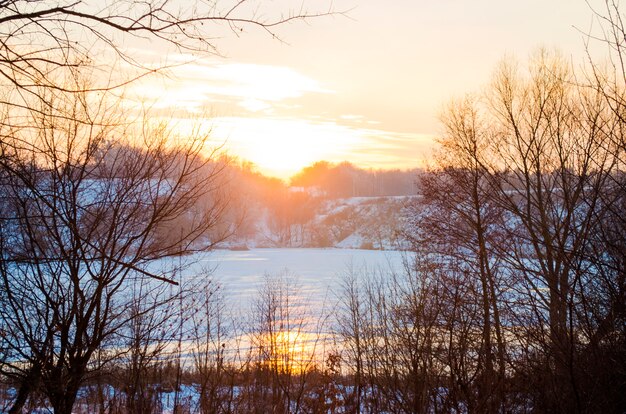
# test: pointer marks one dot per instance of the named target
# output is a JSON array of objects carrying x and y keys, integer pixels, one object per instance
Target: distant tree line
[
  {"x": 271, "y": 212},
  {"x": 346, "y": 180}
]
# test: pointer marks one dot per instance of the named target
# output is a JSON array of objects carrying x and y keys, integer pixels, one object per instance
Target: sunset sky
[{"x": 366, "y": 87}]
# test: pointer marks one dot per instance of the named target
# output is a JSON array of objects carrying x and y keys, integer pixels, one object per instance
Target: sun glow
[
  {"x": 281, "y": 147},
  {"x": 289, "y": 352}
]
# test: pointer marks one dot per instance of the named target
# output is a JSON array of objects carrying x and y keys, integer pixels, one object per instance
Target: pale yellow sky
[{"x": 366, "y": 88}]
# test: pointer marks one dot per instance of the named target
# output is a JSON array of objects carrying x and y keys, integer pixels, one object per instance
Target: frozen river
[
  {"x": 316, "y": 272},
  {"x": 317, "y": 275}
]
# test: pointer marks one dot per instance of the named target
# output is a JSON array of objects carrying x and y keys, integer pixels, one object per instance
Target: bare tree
[
  {"x": 39, "y": 38},
  {"x": 391, "y": 331},
  {"x": 456, "y": 221},
  {"x": 84, "y": 200},
  {"x": 351, "y": 328},
  {"x": 215, "y": 350},
  {"x": 527, "y": 186},
  {"x": 551, "y": 140},
  {"x": 143, "y": 344},
  {"x": 285, "y": 338}
]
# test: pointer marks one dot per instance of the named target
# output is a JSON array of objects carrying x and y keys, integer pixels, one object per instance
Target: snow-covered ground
[{"x": 348, "y": 223}]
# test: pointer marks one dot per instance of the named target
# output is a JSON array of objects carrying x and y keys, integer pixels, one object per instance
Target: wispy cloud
[{"x": 205, "y": 82}]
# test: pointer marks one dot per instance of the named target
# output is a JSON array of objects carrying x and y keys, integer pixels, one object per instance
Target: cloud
[
  {"x": 351, "y": 117},
  {"x": 272, "y": 123},
  {"x": 261, "y": 82},
  {"x": 254, "y": 105},
  {"x": 206, "y": 82}
]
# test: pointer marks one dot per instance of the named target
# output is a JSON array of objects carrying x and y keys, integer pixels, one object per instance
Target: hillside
[{"x": 357, "y": 222}]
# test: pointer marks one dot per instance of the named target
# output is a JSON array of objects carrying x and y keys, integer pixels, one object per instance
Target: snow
[
  {"x": 353, "y": 241},
  {"x": 317, "y": 272}
]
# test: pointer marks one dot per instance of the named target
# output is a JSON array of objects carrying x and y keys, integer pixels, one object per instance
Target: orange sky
[{"x": 366, "y": 88}]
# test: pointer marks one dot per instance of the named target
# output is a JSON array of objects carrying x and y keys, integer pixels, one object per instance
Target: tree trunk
[{"x": 27, "y": 386}]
